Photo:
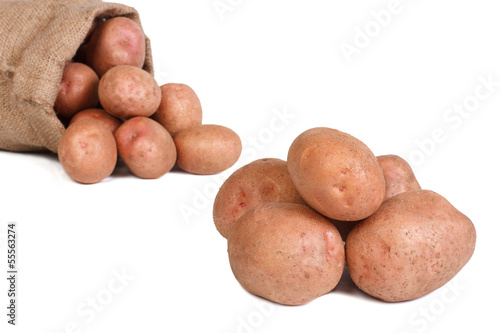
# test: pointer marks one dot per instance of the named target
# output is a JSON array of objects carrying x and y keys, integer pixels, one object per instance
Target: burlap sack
[{"x": 37, "y": 37}]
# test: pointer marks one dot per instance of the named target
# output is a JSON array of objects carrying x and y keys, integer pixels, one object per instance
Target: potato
[
  {"x": 179, "y": 109},
  {"x": 87, "y": 151},
  {"x": 78, "y": 90},
  {"x": 146, "y": 147},
  {"x": 118, "y": 41},
  {"x": 263, "y": 180},
  {"x": 399, "y": 176},
  {"x": 286, "y": 253},
  {"x": 207, "y": 149},
  {"x": 127, "y": 91},
  {"x": 336, "y": 174},
  {"x": 414, "y": 244},
  {"x": 108, "y": 120}
]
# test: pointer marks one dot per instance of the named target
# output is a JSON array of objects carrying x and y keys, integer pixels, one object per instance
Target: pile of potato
[
  {"x": 115, "y": 109},
  {"x": 291, "y": 226}
]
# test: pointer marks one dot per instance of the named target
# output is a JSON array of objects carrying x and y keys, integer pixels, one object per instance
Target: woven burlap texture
[{"x": 37, "y": 37}]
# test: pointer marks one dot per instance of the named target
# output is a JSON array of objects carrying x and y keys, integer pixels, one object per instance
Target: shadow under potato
[{"x": 347, "y": 286}]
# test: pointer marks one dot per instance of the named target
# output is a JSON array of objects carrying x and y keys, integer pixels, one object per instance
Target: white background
[{"x": 248, "y": 64}]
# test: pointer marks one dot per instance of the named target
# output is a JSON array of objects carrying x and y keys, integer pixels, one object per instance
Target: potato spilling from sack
[
  {"x": 146, "y": 147},
  {"x": 127, "y": 91},
  {"x": 286, "y": 223},
  {"x": 87, "y": 151},
  {"x": 207, "y": 149},
  {"x": 117, "y": 41},
  {"x": 180, "y": 108},
  {"x": 78, "y": 91},
  {"x": 142, "y": 117}
]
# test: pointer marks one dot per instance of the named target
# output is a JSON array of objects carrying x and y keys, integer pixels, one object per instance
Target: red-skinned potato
[
  {"x": 207, "y": 149},
  {"x": 336, "y": 174},
  {"x": 146, "y": 147},
  {"x": 399, "y": 176},
  {"x": 87, "y": 151},
  {"x": 412, "y": 245},
  {"x": 118, "y": 41},
  {"x": 261, "y": 181},
  {"x": 179, "y": 109},
  {"x": 127, "y": 91},
  {"x": 286, "y": 253},
  {"x": 78, "y": 90}
]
